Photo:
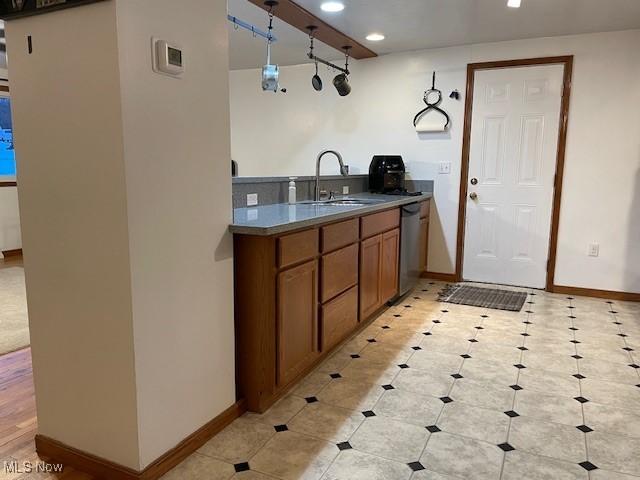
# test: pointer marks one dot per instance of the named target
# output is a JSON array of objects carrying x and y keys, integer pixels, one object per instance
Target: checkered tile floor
[{"x": 438, "y": 391}]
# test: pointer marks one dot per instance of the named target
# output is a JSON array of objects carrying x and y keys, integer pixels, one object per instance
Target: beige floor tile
[
  {"x": 446, "y": 344},
  {"x": 436, "y": 384},
  {"x": 331, "y": 423},
  {"x": 201, "y": 467},
  {"x": 547, "y": 361},
  {"x": 609, "y": 475},
  {"x": 614, "y": 452},
  {"x": 497, "y": 353},
  {"x": 251, "y": 475},
  {"x": 336, "y": 362},
  {"x": 615, "y": 394},
  {"x": 380, "y": 373},
  {"x": 607, "y": 419},
  {"x": 384, "y": 353},
  {"x": 391, "y": 439},
  {"x": 608, "y": 371},
  {"x": 480, "y": 423},
  {"x": 549, "y": 408},
  {"x": 462, "y": 457},
  {"x": 355, "y": 465},
  {"x": 239, "y": 441},
  {"x": 521, "y": 465},
  {"x": 431, "y": 360},
  {"x": 293, "y": 456},
  {"x": 351, "y": 393},
  {"x": 312, "y": 384},
  {"x": 283, "y": 411},
  {"x": 489, "y": 372},
  {"x": 562, "y": 442},
  {"x": 409, "y": 407},
  {"x": 483, "y": 395},
  {"x": 552, "y": 383},
  {"x": 604, "y": 352},
  {"x": 430, "y": 475}
]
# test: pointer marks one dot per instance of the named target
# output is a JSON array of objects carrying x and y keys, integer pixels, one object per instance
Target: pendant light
[{"x": 270, "y": 73}]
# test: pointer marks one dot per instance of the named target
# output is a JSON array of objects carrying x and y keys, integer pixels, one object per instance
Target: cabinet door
[
  {"x": 390, "y": 261},
  {"x": 370, "y": 273},
  {"x": 424, "y": 235},
  {"x": 297, "y": 320}
]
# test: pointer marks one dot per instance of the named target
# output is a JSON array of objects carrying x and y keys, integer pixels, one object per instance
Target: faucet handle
[{"x": 323, "y": 194}]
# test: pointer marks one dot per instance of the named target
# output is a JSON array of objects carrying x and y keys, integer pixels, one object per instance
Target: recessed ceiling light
[
  {"x": 513, "y": 3},
  {"x": 375, "y": 37},
  {"x": 332, "y": 7}
]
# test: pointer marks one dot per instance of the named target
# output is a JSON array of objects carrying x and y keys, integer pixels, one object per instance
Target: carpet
[
  {"x": 495, "y": 298},
  {"x": 14, "y": 321}
]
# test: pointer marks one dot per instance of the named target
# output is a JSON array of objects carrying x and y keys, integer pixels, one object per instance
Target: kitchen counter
[{"x": 268, "y": 220}]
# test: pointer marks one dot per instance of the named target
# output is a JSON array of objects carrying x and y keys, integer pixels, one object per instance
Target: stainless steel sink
[{"x": 344, "y": 202}]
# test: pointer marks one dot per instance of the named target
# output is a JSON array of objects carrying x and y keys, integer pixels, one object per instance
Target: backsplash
[{"x": 272, "y": 190}]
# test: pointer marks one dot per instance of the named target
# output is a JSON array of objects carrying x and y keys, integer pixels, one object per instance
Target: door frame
[{"x": 472, "y": 68}]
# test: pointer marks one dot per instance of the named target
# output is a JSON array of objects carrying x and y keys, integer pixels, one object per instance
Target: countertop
[{"x": 275, "y": 219}]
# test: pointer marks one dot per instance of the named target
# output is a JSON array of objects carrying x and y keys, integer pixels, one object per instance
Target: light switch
[
  {"x": 445, "y": 168},
  {"x": 252, "y": 199},
  {"x": 594, "y": 249},
  {"x": 345, "y": 190}
]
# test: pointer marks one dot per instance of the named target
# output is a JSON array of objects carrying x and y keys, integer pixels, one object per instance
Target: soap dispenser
[{"x": 292, "y": 190}]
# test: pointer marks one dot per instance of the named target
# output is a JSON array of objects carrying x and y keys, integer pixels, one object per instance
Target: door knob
[{"x": 473, "y": 196}]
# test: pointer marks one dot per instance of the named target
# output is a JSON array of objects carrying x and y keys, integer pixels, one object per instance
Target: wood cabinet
[
  {"x": 297, "y": 320},
  {"x": 379, "y": 263},
  {"x": 298, "y": 295},
  {"x": 370, "y": 273},
  {"x": 390, "y": 265},
  {"x": 424, "y": 234}
]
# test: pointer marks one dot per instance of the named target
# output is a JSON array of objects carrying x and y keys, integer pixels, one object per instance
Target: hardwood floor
[{"x": 18, "y": 423}]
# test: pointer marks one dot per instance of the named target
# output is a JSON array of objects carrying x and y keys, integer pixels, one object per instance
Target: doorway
[{"x": 513, "y": 157}]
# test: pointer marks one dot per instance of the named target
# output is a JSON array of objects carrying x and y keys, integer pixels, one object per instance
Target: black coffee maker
[{"x": 386, "y": 174}]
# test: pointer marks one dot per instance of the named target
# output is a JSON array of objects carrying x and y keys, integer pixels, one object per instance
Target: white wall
[
  {"x": 281, "y": 134},
  {"x": 125, "y": 195},
  {"x": 10, "y": 238},
  {"x": 176, "y": 143}
]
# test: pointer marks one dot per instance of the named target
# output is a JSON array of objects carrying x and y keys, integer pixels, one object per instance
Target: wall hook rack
[{"x": 432, "y": 105}]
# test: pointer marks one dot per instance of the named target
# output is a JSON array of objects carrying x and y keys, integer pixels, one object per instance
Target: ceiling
[{"x": 419, "y": 24}]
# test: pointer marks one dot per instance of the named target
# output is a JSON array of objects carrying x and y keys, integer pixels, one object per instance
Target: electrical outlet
[
  {"x": 252, "y": 199},
  {"x": 445, "y": 168},
  {"x": 594, "y": 249},
  {"x": 345, "y": 190}
]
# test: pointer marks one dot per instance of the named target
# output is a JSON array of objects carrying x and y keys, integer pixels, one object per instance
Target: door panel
[
  {"x": 297, "y": 320},
  {"x": 390, "y": 262},
  {"x": 370, "y": 272},
  {"x": 513, "y": 151}
]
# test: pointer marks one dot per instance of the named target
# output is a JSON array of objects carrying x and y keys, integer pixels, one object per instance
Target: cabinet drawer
[
  {"x": 339, "y": 271},
  {"x": 424, "y": 209},
  {"x": 340, "y": 234},
  {"x": 339, "y": 318},
  {"x": 379, "y": 222},
  {"x": 297, "y": 247}
]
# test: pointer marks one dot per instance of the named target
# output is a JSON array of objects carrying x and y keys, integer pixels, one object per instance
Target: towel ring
[{"x": 432, "y": 105}]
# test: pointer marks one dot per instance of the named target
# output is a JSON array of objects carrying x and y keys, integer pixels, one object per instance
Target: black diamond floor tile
[
  {"x": 506, "y": 447},
  {"x": 446, "y": 399},
  {"x": 465, "y": 356},
  {"x": 415, "y": 466},
  {"x": 577, "y": 357},
  {"x": 516, "y": 387},
  {"x": 403, "y": 365},
  {"x": 388, "y": 387},
  {"x": 416, "y": 348},
  {"x": 581, "y": 399},
  {"x": 344, "y": 446},
  {"x": 524, "y": 349},
  {"x": 519, "y": 365},
  {"x": 386, "y": 327},
  {"x": 355, "y": 355},
  {"x": 512, "y": 414},
  {"x": 584, "y": 428},
  {"x": 628, "y": 349},
  {"x": 311, "y": 399},
  {"x": 368, "y": 413},
  {"x": 588, "y": 466},
  {"x": 335, "y": 375},
  {"x": 579, "y": 377},
  {"x": 633, "y": 365},
  {"x": 281, "y": 428},
  {"x": 242, "y": 467},
  {"x": 433, "y": 429},
  {"x": 457, "y": 375}
]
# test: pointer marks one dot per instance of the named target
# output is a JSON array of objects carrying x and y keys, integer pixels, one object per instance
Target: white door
[{"x": 512, "y": 164}]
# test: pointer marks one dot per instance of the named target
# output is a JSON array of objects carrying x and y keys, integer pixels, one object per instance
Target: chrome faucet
[{"x": 344, "y": 171}]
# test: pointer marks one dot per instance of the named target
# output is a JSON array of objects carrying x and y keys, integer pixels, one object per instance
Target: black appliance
[{"x": 386, "y": 174}]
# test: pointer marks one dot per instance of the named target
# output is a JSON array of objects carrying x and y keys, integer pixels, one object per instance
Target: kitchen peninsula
[{"x": 307, "y": 276}]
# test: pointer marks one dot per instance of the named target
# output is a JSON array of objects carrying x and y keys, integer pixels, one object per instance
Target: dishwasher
[{"x": 409, "y": 248}]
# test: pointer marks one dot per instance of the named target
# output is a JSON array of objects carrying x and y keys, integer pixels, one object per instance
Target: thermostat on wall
[{"x": 167, "y": 58}]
